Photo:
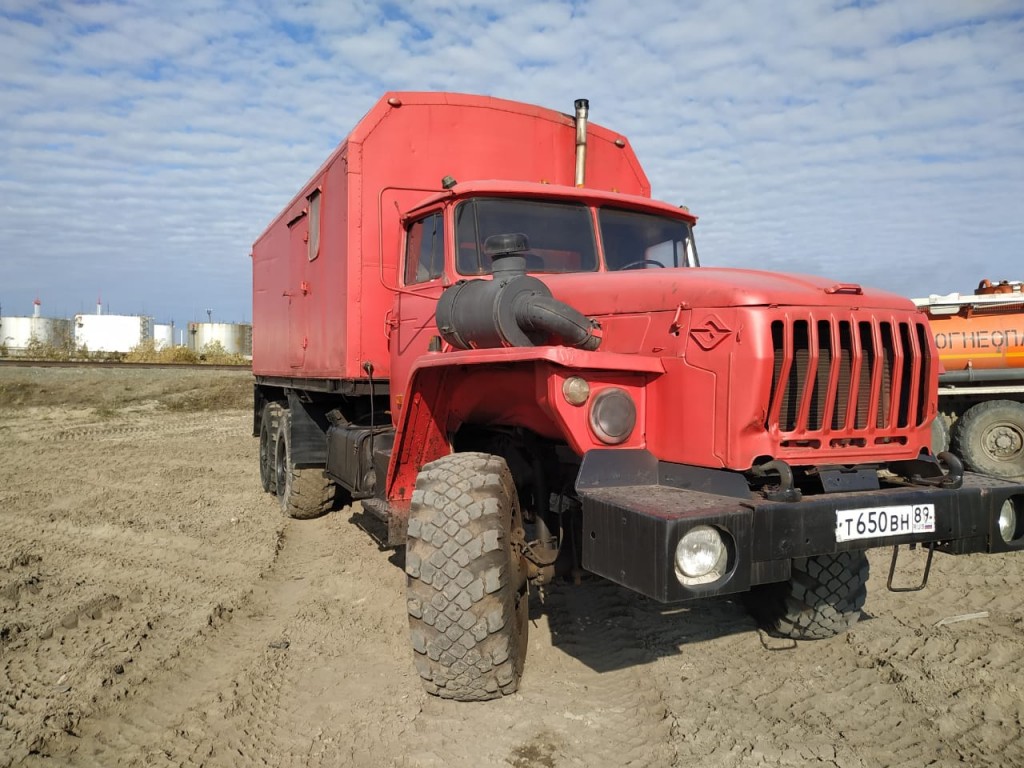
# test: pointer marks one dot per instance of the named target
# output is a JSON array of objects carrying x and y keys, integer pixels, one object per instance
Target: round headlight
[
  {"x": 1010, "y": 523},
  {"x": 575, "y": 390},
  {"x": 613, "y": 416},
  {"x": 701, "y": 556}
]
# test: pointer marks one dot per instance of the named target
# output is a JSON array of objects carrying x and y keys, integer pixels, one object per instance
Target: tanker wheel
[
  {"x": 940, "y": 434},
  {"x": 303, "y": 493},
  {"x": 823, "y": 597},
  {"x": 269, "y": 421},
  {"x": 990, "y": 438},
  {"x": 467, "y": 592}
]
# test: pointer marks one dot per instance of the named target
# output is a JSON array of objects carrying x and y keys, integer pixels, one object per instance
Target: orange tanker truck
[{"x": 980, "y": 339}]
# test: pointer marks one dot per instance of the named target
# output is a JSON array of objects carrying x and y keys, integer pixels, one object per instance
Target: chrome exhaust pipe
[{"x": 582, "y": 110}]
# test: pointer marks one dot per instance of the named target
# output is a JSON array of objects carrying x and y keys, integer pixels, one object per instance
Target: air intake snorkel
[{"x": 511, "y": 310}]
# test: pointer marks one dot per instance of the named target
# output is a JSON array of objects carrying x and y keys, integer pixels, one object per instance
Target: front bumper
[{"x": 636, "y": 509}]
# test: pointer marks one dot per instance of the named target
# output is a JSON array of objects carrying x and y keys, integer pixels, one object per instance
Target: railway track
[{"x": 15, "y": 362}]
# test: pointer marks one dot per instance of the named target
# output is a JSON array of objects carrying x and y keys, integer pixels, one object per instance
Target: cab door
[{"x": 422, "y": 280}]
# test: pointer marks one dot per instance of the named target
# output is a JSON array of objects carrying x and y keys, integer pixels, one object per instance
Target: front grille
[{"x": 848, "y": 377}]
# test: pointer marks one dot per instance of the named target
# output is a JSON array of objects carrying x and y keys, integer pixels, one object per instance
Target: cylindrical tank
[
  {"x": 19, "y": 334},
  {"x": 112, "y": 333},
  {"x": 981, "y": 332},
  {"x": 163, "y": 335},
  {"x": 235, "y": 338}
]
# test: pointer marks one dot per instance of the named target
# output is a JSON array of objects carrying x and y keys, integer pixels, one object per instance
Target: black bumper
[{"x": 636, "y": 509}]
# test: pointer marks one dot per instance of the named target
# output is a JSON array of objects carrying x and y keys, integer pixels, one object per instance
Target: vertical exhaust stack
[{"x": 582, "y": 111}]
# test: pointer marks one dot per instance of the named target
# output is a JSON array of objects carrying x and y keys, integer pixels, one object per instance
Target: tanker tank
[{"x": 980, "y": 340}]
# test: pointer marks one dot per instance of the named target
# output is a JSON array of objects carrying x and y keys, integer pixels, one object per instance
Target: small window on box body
[
  {"x": 314, "y": 224},
  {"x": 424, "y": 250}
]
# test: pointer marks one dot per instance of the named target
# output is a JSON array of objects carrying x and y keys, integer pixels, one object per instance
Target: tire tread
[
  {"x": 465, "y": 629},
  {"x": 822, "y": 599}
]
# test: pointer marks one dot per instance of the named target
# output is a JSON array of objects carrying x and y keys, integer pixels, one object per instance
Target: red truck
[{"x": 474, "y": 319}]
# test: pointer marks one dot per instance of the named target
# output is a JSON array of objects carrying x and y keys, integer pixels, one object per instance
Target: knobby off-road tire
[
  {"x": 823, "y": 597},
  {"x": 466, "y": 588},
  {"x": 990, "y": 438},
  {"x": 303, "y": 493},
  {"x": 270, "y": 420}
]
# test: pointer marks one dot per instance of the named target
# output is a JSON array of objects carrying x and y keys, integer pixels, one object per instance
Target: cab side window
[{"x": 424, "y": 250}]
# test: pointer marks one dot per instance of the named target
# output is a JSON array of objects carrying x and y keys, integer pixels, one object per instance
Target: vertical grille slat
[
  {"x": 923, "y": 374},
  {"x": 848, "y": 376},
  {"x": 884, "y": 376}
]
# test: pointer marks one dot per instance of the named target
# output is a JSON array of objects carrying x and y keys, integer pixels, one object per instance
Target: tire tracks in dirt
[
  {"x": 587, "y": 697},
  {"x": 616, "y": 707},
  {"x": 167, "y": 721},
  {"x": 272, "y": 678}
]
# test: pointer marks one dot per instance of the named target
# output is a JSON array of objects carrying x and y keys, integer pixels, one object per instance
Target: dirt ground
[{"x": 157, "y": 610}]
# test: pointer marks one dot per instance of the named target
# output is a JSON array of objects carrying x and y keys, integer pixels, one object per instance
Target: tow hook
[
  {"x": 950, "y": 472},
  {"x": 943, "y": 470},
  {"x": 954, "y": 477},
  {"x": 787, "y": 490}
]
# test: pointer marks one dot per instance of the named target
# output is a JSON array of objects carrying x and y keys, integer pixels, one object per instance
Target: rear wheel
[
  {"x": 303, "y": 493},
  {"x": 269, "y": 422},
  {"x": 990, "y": 438},
  {"x": 467, "y": 587},
  {"x": 823, "y": 597}
]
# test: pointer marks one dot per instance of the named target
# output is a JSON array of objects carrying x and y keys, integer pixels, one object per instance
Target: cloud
[{"x": 146, "y": 146}]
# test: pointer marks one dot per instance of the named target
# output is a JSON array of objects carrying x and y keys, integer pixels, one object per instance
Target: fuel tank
[{"x": 979, "y": 331}]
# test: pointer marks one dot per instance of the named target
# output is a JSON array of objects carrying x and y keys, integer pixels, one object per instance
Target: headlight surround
[
  {"x": 613, "y": 415},
  {"x": 1011, "y": 519},
  {"x": 702, "y": 556}
]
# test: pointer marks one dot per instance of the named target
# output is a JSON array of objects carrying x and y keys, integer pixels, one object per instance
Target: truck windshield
[
  {"x": 635, "y": 240},
  {"x": 562, "y": 239},
  {"x": 561, "y": 234}
]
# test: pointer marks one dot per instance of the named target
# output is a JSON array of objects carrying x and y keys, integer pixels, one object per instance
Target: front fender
[{"x": 513, "y": 387}]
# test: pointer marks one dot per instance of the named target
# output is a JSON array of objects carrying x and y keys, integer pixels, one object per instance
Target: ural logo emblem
[{"x": 710, "y": 333}]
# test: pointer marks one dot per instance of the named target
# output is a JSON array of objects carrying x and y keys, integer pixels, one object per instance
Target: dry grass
[
  {"x": 213, "y": 354},
  {"x": 109, "y": 390}
]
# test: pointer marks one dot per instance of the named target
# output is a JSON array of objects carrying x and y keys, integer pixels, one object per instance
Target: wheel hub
[{"x": 1004, "y": 442}]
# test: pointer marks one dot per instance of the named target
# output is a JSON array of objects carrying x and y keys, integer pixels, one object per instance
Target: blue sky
[{"x": 147, "y": 144}]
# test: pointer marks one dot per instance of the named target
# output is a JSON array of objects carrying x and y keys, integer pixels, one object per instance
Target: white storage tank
[
  {"x": 235, "y": 338},
  {"x": 112, "y": 333},
  {"x": 163, "y": 335},
  {"x": 19, "y": 334}
]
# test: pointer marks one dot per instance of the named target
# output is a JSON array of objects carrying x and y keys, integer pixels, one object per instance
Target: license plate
[{"x": 854, "y": 524}]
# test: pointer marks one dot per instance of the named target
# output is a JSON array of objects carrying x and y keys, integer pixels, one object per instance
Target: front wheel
[
  {"x": 467, "y": 587},
  {"x": 823, "y": 597}
]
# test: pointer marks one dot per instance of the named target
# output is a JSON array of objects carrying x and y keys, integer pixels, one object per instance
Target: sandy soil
[{"x": 156, "y": 610}]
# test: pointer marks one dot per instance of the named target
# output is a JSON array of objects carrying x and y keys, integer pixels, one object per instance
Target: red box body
[{"x": 326, "y": 317}]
